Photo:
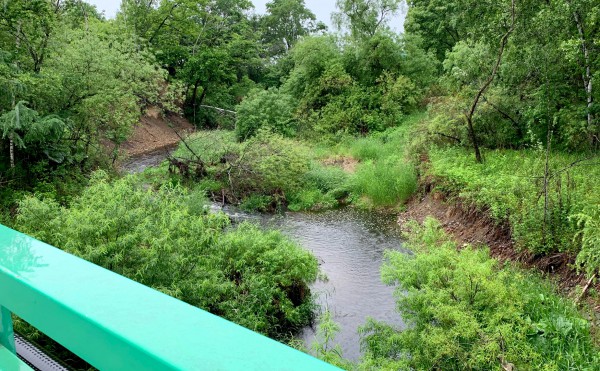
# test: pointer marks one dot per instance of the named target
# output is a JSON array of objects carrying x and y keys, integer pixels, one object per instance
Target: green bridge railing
[{"x": 114, "y": 323}]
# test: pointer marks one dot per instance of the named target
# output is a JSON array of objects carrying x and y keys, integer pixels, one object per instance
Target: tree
[
  {"x": 25, "y": 128},
  {"x": 30, "y": 25},
  {"x": 364, "y": 17},
  {"x": 437, "y": 22},
  {"x": 270, "y": 109},
  {"x": 285, "y": 22},
  {"x": 588, "y": 30}
]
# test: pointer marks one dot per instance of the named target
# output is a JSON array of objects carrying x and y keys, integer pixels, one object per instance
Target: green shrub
[
  {"x": 326, "y": 178},
  {"x": 210, "y": 146},
  {"x": 165, "y": 239},
  {"x": 385, "y": 183},
  {"x": 588, "y": 222},
  {"x": 463, "y": 311},
  {"x": 311, "y": 199},
  {"x": 256, "y": 203},
  {"x": 269, "y": 164},
  {"x": 265, "y": 109},
  {"x": 510, "y": 186}
]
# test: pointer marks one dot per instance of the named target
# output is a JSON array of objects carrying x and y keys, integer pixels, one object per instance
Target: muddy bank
[{"x": 469, "y": 225}]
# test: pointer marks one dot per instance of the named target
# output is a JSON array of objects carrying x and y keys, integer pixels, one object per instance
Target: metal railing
[{"x": 114, "y": 323}]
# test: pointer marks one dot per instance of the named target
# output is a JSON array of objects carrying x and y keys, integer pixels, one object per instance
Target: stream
[{"x": 349, "y": 245}]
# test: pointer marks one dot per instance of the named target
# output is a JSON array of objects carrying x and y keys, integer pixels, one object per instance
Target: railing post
[{"x": 7, "y": 335}]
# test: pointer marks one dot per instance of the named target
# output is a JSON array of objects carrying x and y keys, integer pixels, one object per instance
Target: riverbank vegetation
[
  {"x": 491, "y": 104},
  {"x": 466, "y": 311},
  {"x": 167, "y": 239}
]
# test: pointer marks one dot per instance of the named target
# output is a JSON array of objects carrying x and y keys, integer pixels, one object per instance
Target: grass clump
[{"x": 385, "y": 183}]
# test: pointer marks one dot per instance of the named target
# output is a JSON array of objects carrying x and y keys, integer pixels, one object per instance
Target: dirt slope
[{"x": 154, "y": 132}]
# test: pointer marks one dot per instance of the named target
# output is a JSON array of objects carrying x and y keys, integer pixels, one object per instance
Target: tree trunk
[
  {"x": 11, "y": 145},
  {"x": 473, "y": 138},
  {"x": 587, "y": 79},
  {"x": 11, "y": 142},
  {"x": 469, "y": 115}
]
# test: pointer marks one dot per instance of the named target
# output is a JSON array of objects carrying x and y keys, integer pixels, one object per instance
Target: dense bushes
[
  {"x": 166, "y": 240},
  {"x": 463, "y": 311},
  {"x": 268, "y": 171},
  {"x": 265, "y": 109}
]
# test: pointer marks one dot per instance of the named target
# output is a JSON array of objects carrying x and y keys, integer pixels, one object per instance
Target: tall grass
[{"x": 386, "y": 182}]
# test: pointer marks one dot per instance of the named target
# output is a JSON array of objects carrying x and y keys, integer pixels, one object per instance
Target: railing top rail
[{"x": 115, "y": 323}]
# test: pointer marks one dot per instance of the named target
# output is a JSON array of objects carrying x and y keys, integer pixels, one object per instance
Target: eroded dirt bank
[
  {"x": 471, "y": 226},
  {"x": 155, "y": 132}
]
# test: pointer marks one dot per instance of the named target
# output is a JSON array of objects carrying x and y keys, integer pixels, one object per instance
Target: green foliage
[
  {"x": 588, "y": 222},
  {"x": 165, "y": 239},
  {"x": 510, "y": 186},
  {"x": 268, "y": 109},
  {"x": 285, "y": 22},
  {"x": 364, "y": 18},
  {"x": 367, "y": 86},
  {"x": 323, "y": 347},
  {"x": 269, "y": 164},
  {"x": 464, "y": 311},
  {"x": 258, "y": 203},
  {"x": 386, "y": 182},
  {"x": 25, "y": 129},
  {"x": 311, "y": 199}
]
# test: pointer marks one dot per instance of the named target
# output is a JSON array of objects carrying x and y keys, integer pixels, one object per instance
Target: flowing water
[
  {"x": 139, "y": 163},
  {"x": 349, "y": 245}
]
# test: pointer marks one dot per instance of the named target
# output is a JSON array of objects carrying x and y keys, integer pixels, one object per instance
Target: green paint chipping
[{"x": 117, "y": 324}]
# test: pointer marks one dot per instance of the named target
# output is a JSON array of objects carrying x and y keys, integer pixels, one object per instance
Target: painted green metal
[
  {"x": 7, "y": 336},
  {"x": 10, "y": 362},
  {"x": 117, "y": 324}
]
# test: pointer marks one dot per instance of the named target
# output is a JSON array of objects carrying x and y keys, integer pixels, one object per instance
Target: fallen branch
[
  {"x": 446, "y": 136},
  {"x": 585, "y": 289},
  {"x": 220, "y": 110}
]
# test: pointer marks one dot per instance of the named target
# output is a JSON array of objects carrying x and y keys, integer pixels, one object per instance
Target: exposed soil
[
  {"x": 348, "y": 164},
  {"x": 471, "y": 226},
  {"x": 154, "y": 132}
]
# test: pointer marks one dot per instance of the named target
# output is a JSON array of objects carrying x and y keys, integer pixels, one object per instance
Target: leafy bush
[
  {"x": 166, "y": 240},
  {"x": 311, "y": 199},
  {"x": 588, "y": 222},
  {"x": 268, "y": 164},
  {"x": 465, "y": 312},
  {"x": 269, "y": 109},
  {"x": 211, "y": 146}
]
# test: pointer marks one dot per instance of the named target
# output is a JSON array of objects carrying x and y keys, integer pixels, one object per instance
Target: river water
[{"x": 349, "y": 245}]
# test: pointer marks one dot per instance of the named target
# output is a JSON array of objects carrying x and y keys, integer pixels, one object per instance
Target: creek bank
[
  {"x": 470, "y": 225},
  {"x": 156, "y": 131}
]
